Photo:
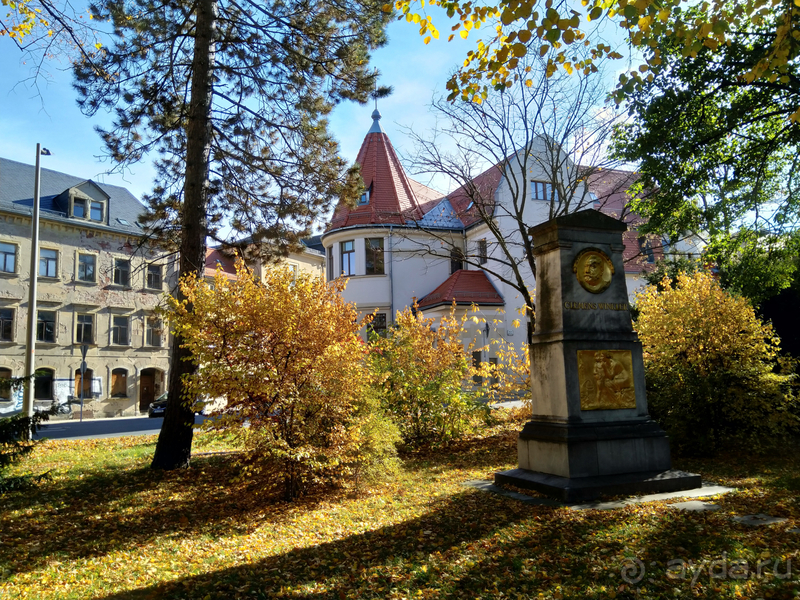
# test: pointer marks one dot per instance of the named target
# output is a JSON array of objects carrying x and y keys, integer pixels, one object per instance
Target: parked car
[{"x": 158, "y": 406}]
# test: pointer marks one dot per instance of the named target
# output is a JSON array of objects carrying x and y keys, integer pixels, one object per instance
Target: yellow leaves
[{"x": 464, "y": 34}]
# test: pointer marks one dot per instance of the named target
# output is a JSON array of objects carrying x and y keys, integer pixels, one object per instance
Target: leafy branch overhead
[{"x": 554, "y": 29}]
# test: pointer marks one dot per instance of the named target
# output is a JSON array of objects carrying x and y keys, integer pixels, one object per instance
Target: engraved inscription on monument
[
  {"x": 593, "y": 269},
  {"x": 606, "y": 379}
]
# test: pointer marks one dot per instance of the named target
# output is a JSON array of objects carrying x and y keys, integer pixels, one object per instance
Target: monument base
[
  {"x": 579, "y": 489},
  {"x": 575, "y": 450}
]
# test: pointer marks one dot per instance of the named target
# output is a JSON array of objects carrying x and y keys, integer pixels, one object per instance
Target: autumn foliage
[
  {"x": 714, "y": 376},
  {"x": 421, "y": 368},
  {"x": 287, "y": 356}
]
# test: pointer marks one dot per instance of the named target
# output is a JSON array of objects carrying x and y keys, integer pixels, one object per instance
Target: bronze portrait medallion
[{"x": 593, "y": 270}]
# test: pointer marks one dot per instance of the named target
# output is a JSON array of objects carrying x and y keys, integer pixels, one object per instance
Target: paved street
[{"x": 102, "y": 428}]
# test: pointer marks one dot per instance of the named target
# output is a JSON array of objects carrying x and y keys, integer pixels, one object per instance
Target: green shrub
[
  {"x": 714, "y": 377},
  {"x": 420, "y": 374}
]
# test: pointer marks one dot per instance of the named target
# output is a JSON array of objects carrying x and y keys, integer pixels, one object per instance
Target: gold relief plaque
[
  {"x": 606, "y": 379},
  {"x": 593, "y": 269}
]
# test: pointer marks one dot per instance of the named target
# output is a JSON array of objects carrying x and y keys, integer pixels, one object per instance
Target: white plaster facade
[{"x": 414, "y": 261}]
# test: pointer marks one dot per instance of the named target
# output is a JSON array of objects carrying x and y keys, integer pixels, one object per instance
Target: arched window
[
  {"x": 119, "y": 383},
  {"x": 87, "y": 383},
  {"x": 5, "y": 386},
  {"x": 43, "y": 384}
]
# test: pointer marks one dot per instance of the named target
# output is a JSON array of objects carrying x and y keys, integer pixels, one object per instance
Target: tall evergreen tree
[{"x": 233, "y": 96}]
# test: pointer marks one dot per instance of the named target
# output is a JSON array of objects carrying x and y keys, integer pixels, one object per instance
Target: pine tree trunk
[{"x": 174, "y": 448}]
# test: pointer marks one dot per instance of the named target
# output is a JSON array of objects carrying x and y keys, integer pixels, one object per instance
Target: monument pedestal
[
  {"x": 590, "y": 434},
  {"x": 589, "y": 488}
]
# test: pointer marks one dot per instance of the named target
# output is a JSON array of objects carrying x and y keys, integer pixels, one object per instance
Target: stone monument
[{"x": 590, "y": 433}]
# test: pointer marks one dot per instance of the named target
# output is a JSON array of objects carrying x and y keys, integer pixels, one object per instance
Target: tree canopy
[
  {"x": 555, "y": 29},
  {"x": 277, "y": 70},
  {"x": 718, "y": 150}
]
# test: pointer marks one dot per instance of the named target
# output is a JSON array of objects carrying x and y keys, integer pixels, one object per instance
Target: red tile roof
[
  {"x": 394, "y": 197},
  {"x": 465, "y": 287},
  {"x": 611, "y": 186},
  {"x": 216, "y": 258},
  {"x": 480, "y": 190}
]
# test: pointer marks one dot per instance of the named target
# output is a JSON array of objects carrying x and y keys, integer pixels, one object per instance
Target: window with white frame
[
  {"x": 48, "y": 263},
  {"x": 122, "y": 272},
  {"x": 87, "y": 268},
  {"x": 364, "y": 199},
  {"x": 8, "y": 258},
  {"x": 120, "y": 330}
]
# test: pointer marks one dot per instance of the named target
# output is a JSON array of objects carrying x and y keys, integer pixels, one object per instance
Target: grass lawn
[{"x": 105, "y": 526}]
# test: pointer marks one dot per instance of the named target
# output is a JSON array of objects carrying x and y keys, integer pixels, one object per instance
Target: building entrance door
[{"x": 147, "y": 388}]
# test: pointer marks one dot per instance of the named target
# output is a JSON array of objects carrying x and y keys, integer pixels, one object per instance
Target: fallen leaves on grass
[{"x": 106, "y": 526}]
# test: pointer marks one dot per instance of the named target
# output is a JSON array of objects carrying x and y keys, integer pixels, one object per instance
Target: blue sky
[{"x": 49, "y": 115}]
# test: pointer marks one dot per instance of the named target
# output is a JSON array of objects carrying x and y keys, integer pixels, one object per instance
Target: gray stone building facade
[{"x": 98, "y": 286}]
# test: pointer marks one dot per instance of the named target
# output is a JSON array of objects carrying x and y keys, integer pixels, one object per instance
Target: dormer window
[
  {"x": 84, "y": 208},
  {"x": 96, "y": 211},
  {"x": 365, "y": 197},
  {"x": 79, "y": 208}
]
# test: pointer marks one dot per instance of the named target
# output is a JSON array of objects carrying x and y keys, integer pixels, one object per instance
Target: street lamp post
[{"x": 30, "y": 367}]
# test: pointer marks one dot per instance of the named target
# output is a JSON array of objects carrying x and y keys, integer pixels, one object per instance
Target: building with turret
[{"x": 405, "y": 243}]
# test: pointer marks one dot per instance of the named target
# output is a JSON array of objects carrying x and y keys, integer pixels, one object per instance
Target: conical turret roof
[{"x": 392, "y": 198}]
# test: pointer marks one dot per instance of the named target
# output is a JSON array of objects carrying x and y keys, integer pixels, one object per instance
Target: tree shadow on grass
[
  {"x": 479, "y": 545},
  {"x": 93, "y": 513},
  {"x": 404, "y": 557},
  {"x": 472, "y": 453},
  {"x": 119, "y": 509}
]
